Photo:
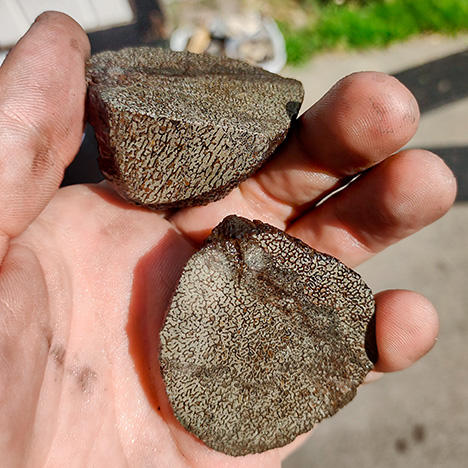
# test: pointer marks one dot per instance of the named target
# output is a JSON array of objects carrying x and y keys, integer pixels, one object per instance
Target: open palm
[{"x": 86, "y": 277}]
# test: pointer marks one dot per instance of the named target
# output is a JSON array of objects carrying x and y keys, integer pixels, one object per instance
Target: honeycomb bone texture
[
  {"x": 264, "y": 338},
  {"x": 181, "y": 129}
]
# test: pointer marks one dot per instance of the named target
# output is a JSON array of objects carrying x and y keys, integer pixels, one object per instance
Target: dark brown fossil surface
[
  {"x": 181, "y": 129},
  {"x": 264, "y": 338}
]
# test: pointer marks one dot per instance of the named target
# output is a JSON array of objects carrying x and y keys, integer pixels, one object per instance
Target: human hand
[{"x": 86, "y": 277}]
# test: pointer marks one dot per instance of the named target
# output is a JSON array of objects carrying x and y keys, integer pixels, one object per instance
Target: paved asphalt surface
[{"x": 417, "y": 418}]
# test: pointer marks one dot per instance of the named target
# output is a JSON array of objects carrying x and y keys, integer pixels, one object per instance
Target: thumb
[{"x": 42, "y": 97}]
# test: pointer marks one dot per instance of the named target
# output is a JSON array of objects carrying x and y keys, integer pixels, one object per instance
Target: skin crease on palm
[{"x": 86, "y": 277}]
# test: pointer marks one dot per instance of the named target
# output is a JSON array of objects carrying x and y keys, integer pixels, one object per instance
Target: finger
[
  {"x": 391, "y": 201},
  {"x": 362, "y": 120},
  {"x": 406, "y": 328},
  {"x": 42, "y": 95}
]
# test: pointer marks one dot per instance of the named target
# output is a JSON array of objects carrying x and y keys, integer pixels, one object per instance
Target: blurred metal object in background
[{"x": 243, "y": 35}]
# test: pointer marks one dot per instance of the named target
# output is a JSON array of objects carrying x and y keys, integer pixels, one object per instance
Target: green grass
[{"x": 372, "y": 23}]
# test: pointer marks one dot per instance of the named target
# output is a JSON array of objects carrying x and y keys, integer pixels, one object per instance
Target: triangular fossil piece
[
  {"x": 264, "y": 338},
  {"x": 182, "y": 129}
]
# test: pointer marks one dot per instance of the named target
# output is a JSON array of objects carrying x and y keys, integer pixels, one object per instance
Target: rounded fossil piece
[
  {"x": 181, "y": 129},
  {"x": 264, "y": 338}
]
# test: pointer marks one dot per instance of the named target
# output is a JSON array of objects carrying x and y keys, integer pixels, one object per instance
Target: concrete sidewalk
[{"x": 419, "y": 417}]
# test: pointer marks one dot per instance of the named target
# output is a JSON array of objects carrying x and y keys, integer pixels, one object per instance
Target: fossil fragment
[
  {"x": 264, "y": 338},
  {"x": 181, "y": 129}
]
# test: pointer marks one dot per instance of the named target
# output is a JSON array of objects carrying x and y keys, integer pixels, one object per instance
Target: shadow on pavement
[{"x": 436, "y": 84}]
